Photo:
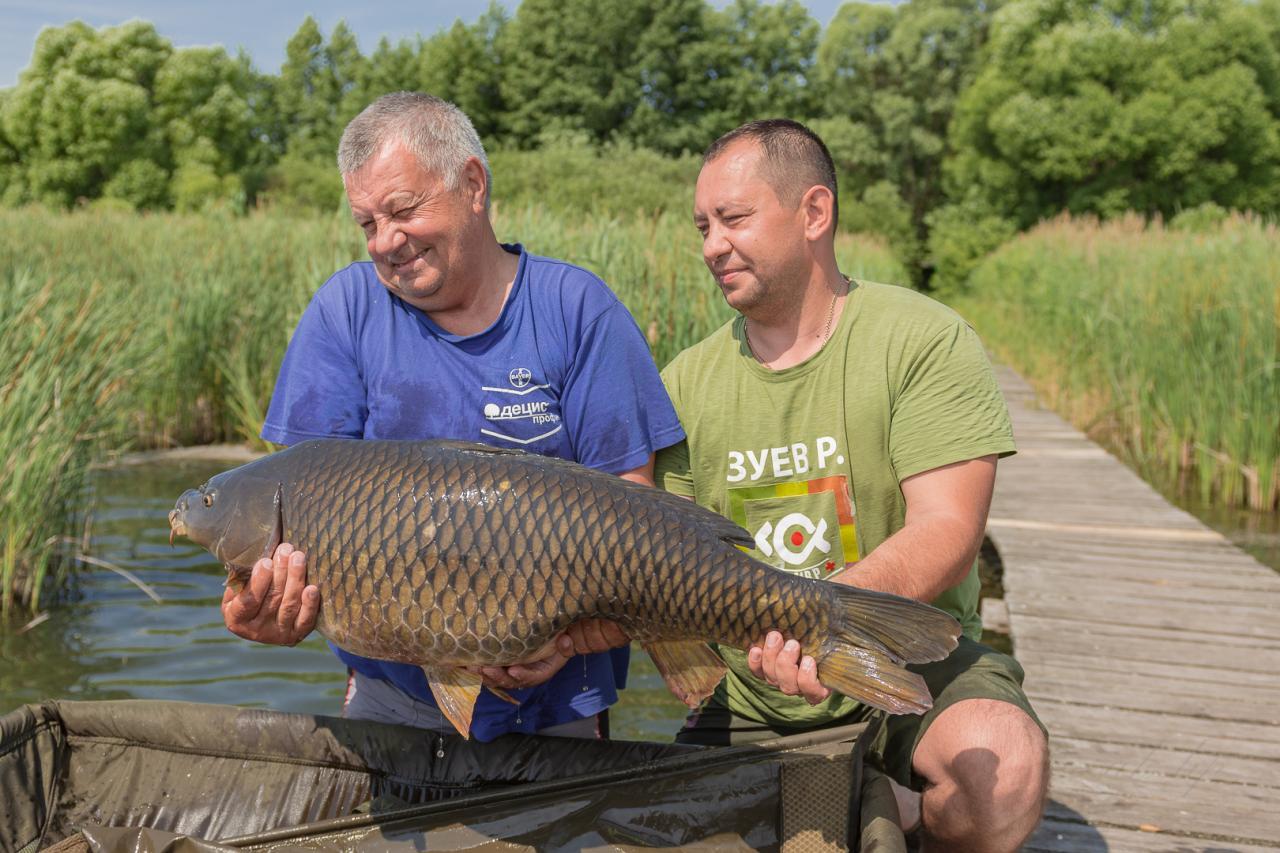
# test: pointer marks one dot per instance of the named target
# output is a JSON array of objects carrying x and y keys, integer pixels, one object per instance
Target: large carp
[{"x": 446, "y": 554}]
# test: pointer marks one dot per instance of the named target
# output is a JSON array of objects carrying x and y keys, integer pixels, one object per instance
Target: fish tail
[{"x": 873, "y": 635}]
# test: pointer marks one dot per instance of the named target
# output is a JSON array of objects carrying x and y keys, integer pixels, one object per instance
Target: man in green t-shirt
[{"x": 853, "y": 429}]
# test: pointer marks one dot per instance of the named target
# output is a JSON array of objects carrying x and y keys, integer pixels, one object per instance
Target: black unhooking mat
[{"x": 170, "y": 776}]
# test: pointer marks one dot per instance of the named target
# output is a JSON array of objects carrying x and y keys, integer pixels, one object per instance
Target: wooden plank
[
  {"x": 1223, "y": 561},
  {"x": 1151, "y": 648},
  {"x": 1157, "y": 527},
  {"x": 1112, "y": 692},
  {"x": 1122, "y": 647},
  {"x": 1217, "y": 559},
  {"x": 1157, "y": 729},
  {"x": 1035, "y": 546},
  {"x": 1056, "y": 835},
  {"x": 1119, "y": 632},
  {"x": 1152, "y": 590},
  {"x": 1124, "y": 798},
  {"x": 1162, "y": 693},
  {"x": 1226, "y": 620},
  {"x": 1209, "y": 677},
  {"x": 1115, "y": 576},
  {"x": 1078, "y": 757}
]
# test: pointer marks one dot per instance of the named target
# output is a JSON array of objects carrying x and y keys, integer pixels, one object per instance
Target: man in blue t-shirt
[{"x": 449, "y": 334}]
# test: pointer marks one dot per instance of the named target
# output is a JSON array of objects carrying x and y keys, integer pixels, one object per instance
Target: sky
[{"x": 261, "y": 28}]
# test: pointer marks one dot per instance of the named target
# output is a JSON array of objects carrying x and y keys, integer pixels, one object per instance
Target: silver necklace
[{"x": 826, "y": 330}]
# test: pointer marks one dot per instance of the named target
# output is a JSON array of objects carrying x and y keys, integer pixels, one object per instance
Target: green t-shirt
[{"x": 809, "y": 459}]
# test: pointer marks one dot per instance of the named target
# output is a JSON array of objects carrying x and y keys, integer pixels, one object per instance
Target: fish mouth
[{"x": 177, "y": 525}]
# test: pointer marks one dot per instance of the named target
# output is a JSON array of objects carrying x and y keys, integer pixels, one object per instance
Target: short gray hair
[{"x": 439, "y": 134}]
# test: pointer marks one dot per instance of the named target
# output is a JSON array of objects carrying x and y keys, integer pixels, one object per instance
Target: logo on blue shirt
[{"x": 524, "y": 414}]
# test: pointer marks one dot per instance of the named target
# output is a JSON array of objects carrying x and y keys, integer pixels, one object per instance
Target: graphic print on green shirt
[
  {"x": 806, "y": 527},
  {"x": 809, "y": 459}
]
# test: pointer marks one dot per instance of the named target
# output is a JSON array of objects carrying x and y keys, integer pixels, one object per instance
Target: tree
[
  {"x": 79, "y": 118},
  {"x": 317, "y": 93},
  {"x": 1107, "y": 107},
  {"x": 888, "y": 79},
  {"x": 464, "y": 65},
  {"x": 766, "y": 58},
  {"x": 567, "y": 66},
  {"x": 201, "y": 103}
]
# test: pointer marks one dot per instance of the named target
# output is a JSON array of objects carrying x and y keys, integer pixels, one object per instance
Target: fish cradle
[{"x": 447, "y": 554}]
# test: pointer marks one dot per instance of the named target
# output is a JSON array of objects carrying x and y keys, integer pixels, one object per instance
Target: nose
[
  {"x": 386, "y": 241},
  {"x": 715, "y": 244}
]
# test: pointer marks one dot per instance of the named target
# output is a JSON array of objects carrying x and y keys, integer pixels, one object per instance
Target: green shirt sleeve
[
  {"x": 672, "y": 470},
  {"x": 948, "y": 407},
  {"x": 672, "y": 467}
]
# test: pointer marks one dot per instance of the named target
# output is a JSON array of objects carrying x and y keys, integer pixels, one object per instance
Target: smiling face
[
  {"x": 752, "y": 242},
  {"x": 418, "y": 229}
]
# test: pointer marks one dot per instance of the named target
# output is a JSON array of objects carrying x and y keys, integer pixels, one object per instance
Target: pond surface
[{"x": 111, "y": 641}]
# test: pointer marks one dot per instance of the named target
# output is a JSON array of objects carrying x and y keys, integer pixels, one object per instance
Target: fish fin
[
  {"x": 873, "y": 635},
  {"x": 908, "y": 631},
  {"x": 237, "y": 576},
  {"x": 873, "y": 678},
  {"x": 456, "y": 690},
  {"x": 503, "y": 695},
  {"x": 690, "y": 668},
  {"x": 475, "y": 447},
  {"x": 277, "y": 529}
]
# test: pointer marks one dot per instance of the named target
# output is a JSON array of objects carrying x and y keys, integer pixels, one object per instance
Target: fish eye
[{"x": 208, "y": 500}]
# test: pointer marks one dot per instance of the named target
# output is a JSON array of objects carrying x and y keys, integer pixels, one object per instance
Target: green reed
[
  {"x": 62, "y": 362},
  {"x": 163, "y": 330},
  {"x": 1161, "y": 342}
]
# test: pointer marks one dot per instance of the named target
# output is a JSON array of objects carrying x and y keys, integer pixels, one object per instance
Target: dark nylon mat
[{"x": 171, "y": 776}]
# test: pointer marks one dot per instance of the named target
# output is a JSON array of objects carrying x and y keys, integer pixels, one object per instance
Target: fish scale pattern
[{"x": 439, "y": 553}]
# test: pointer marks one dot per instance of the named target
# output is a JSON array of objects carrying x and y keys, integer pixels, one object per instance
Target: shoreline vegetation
[
  {"x": 125, "y": 332},
  {"x": 1161, "y": 342}
]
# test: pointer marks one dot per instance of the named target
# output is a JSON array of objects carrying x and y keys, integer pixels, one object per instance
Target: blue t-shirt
[{"x": 563, "y": 371}]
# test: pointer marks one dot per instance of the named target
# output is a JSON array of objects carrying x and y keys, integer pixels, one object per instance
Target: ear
[
  {"x": 474, "y": 183},
  {"x": 817, "y": 206}
]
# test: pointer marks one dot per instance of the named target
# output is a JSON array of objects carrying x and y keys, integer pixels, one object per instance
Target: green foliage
[
  {"x": 118, "y": 113},
  {"x": 960, "y": 236},
  {"x": 572, "y": 177},
  {"x": 299, "y": 182},
  {"x": 62, "y": 348},
  {"x": 952, "y": 123},
  {"x": 1202, "y": 217},
  {"x": 1162, "y": 343},
  {"x": 463, "y": 65},
  {"x": 138, "y": 183},
  {"x": 889, "y": 78},
  {"x": 1107, "y": 107}
]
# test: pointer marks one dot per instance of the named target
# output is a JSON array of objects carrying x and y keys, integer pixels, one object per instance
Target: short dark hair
[{"x": 795, "y": 158}]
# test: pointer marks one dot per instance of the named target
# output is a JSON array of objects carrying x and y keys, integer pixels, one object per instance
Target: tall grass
[
  {"x": 161, "y": 330},
  {"x": 1163, "y": 342},
  {"x": 63, "y": 347}
]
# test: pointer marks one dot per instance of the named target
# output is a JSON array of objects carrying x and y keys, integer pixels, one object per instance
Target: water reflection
[{"x": 109, "y": 640}]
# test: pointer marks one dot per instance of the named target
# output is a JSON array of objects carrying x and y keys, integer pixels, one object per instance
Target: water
[
  {"x": 111, "y": 641},
  {"x": 1255, "y": 532}
]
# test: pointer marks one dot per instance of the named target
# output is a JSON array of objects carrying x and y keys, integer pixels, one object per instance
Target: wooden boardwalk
[{"x": 1151, "y": 646}]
